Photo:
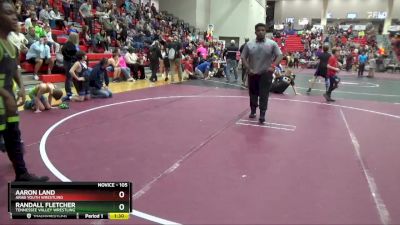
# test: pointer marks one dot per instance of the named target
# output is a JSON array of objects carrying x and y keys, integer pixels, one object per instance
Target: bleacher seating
[
  {"x": 52, "y": 78},
  {"x": 293, "y": 43},
  {"x": 93, "y": 59},
  {"x": 362, "y": 41}
]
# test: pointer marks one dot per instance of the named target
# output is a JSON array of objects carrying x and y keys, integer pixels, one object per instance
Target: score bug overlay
[{"x": 70, "y": 200}]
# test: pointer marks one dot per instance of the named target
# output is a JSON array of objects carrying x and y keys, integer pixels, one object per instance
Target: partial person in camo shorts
[{"x": 9, "y": 119}]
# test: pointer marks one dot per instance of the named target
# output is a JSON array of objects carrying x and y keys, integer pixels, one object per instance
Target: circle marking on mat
[{"x": 142, "y": 215}]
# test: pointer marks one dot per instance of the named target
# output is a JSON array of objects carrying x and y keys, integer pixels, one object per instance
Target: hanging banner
[
  {"x": 377, "y": 15},
  {"x": 278, "y": 26},
  {"x": 318, "y": 27},
  {"x": 360, "y": 27},
  {"x": 351, "y": 15},
  {"x": 394, "y": 28},
  {"x": 303, "y": 22},
  {"x": 344, "y": 27}
]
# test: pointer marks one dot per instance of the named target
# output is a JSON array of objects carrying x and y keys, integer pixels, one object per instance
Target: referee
[{"x": 259, "y": 58}]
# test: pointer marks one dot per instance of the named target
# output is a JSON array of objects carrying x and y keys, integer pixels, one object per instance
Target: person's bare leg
[
  {"x": 117, "y": 73},
  {"x": 39, "y": 107},
  {"x": 51, "y": 64},
  {"x": 38, "y": 64},
  {"x": 311, "y": 84}
]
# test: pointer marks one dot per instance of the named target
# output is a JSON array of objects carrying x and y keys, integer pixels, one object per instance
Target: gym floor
[{"x": 195, "y": 158}]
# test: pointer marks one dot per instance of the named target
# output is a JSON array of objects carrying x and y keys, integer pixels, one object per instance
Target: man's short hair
[
  {"x": 260, "y": 25},
  {"x": 57, "y": 94},
  {"x": 80, "y": 55},
  {"x": 325, "y": 48},
  {"x": 103, "y": 62}
]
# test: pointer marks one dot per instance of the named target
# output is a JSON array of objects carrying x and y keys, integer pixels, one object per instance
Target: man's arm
[
  {"x": 73, "y": 74},
  {"x": 244, "y": 58},
  {"x": 106, "y": 79},
  {"x": 9, "y": 102},
  {"x": 21, "y": 89}
]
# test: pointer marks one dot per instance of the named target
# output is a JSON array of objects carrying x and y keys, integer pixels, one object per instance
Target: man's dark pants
[
  {"x": 68, "y": 77},
  {"x": 259, "y": 85}
]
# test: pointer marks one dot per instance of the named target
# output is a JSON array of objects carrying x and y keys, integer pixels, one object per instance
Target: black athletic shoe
[
  {"x": 166, "y": 79},
  {"x": 253, "y": 113},
  {"x": 328, "y": 98},
  {"x": 31, "y": 177},
  {"x": 262, "y": 117},
  {"x": 66, "y": 99},
  {"x": 2, "y": 145},
  {"x": 309, "y": 91}
]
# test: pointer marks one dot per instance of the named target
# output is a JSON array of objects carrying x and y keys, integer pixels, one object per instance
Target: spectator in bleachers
[
  {"x": 202, "y": 50},
  {"x": 109, "y": 27},
  {"x": 28, "y": 21},
  {"x": 122, "y": 34},
  {"x": 84, "y": 37},
  {"x": 81, "y": 76},
  {"x": 113, "y": 65},
  {"x": 99, "y": 81},
  {"x": 69, "y": 51},
  {"x": 39, "y": 54},
  {"x": 50, "y": 41},
  {"x": 18, "y": 8},
  {"x": 19, "y": 40},
  {"x": 133, "y": 62},
  {"x": 38, "y": 28},
  {"x": 39, "y": 6},
  {"x": 72, "y": 29},
  {"x": 153, "y": 9},
  {"x": 31, "y": 37},
  {"x": 202, "y": 71},
  {"x": 85, "y": 11},
  {"x": 101, "y": 41},
  {"x": 125, "y": 70},
  {"x": 67, "y": 9},
  {"x": 188, "y": 67},
  {"x": 57, "y": 18},
  {"x": 44, "y": 14},
  {"x": 131, "y": 59}
]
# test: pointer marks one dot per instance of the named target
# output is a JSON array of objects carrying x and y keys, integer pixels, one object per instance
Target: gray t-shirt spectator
[
  {"x": 260, "y": 55},
  {"x": 44, "y": 15},
  {"x": 85, "y": 10}
]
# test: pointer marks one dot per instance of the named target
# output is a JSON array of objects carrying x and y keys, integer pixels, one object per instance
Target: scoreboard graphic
[{"x": 70, "y": 200}]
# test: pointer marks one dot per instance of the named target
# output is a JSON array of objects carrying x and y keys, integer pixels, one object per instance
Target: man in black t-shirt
[
  {"x": 322, "y": 68},
  {"x": 174, "y": 55}
]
